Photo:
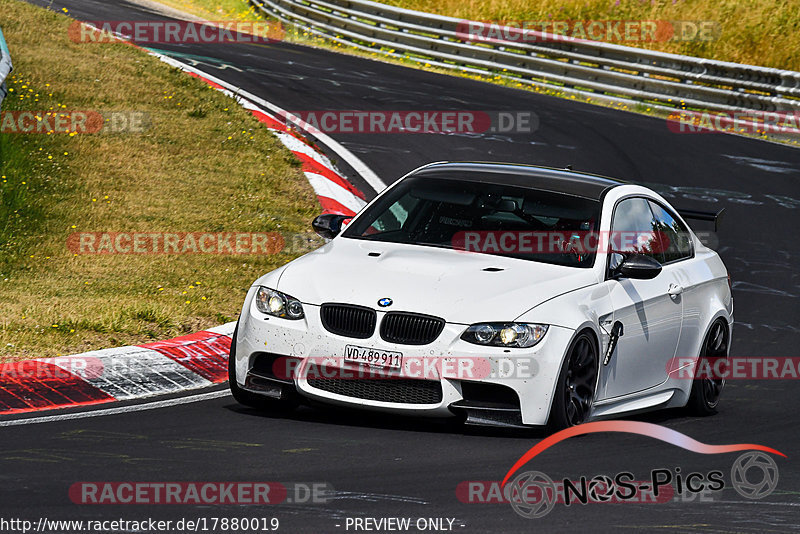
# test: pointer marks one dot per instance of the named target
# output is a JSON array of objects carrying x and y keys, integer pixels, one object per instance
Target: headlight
[
  {"x": 277, "y": 304},
  {"x": 520, "y": 335}
]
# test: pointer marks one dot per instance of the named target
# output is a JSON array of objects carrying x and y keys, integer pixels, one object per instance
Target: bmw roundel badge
[{"x": 384, "y": 302}]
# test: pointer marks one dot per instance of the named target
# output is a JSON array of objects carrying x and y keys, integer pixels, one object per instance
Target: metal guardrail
[
  {"x": 598, "y": 68},
  {"x": 5, "y": 66}
]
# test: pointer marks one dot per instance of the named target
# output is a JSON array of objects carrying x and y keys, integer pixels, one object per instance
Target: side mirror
[
  {"x": 328, "y": 225},
  {"x": 638, "y": 267}
]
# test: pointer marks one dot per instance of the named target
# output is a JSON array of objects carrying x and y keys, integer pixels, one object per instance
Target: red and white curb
[
  {"x": 187, "y": 362},
  {"x": 124, "y": 373},
  {"x": 335, "y": 193}
]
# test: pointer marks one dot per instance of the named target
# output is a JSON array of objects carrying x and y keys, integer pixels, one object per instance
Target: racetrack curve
[{"x": 386, "y": 466}]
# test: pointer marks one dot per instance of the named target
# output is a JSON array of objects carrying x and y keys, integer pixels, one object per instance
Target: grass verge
[
  {"x": 755, "y": 32},
  {"x": 203, "y": 164},
  {"x": 217, "y": 10}
]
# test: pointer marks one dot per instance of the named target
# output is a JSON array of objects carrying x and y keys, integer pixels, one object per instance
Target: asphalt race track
[{"x": 382, "y": 466}]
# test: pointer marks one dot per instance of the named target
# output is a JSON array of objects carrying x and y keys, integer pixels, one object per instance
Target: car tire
[
  {"x": 706, "y": 391},
  {"x": 576, "y": 385},
  {"x": 247, "y": 398}
]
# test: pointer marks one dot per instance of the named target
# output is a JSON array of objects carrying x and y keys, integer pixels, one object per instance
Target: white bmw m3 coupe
[{"x": 503, "y": 294}]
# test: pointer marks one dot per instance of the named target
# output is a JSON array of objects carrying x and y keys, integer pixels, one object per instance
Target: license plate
[{"x": 376, "y": 357}]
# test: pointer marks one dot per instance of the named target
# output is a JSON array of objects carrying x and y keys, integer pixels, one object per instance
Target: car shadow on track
[{"x": 337, "y": 416}]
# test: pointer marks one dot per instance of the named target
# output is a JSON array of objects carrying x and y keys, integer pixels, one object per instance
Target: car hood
[{"x": 460, "y": 287}]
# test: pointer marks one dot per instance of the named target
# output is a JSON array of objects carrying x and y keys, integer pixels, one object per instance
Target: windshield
[{"x": 482, "y": 217}]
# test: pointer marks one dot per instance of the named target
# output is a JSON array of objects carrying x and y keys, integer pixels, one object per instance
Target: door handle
[{"x": 674, "y": 290}]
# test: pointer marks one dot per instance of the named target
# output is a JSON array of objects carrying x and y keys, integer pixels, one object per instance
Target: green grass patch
[
  {"x": 203, "y": 164},
  {"x": 755, "y": 32},
  {"x": 217, "y": 10}
]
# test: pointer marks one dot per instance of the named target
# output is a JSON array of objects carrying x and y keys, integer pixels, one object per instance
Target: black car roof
[{"x": 545, "y": 178}]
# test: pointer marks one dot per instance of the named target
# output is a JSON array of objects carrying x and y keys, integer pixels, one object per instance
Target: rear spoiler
[{"x": 703, "y": 216}]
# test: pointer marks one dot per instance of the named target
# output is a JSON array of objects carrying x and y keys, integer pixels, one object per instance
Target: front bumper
[{"x": 465, "y": 372}]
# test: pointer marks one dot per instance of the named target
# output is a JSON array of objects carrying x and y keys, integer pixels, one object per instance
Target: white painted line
[{"x": 115, "y": 411}]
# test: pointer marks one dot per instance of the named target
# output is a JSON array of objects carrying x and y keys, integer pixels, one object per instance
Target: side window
[
  {"x": 395, "y": 217},
  {"x": 632, "y": 229},
  {"x": 675, "y": 237}
]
